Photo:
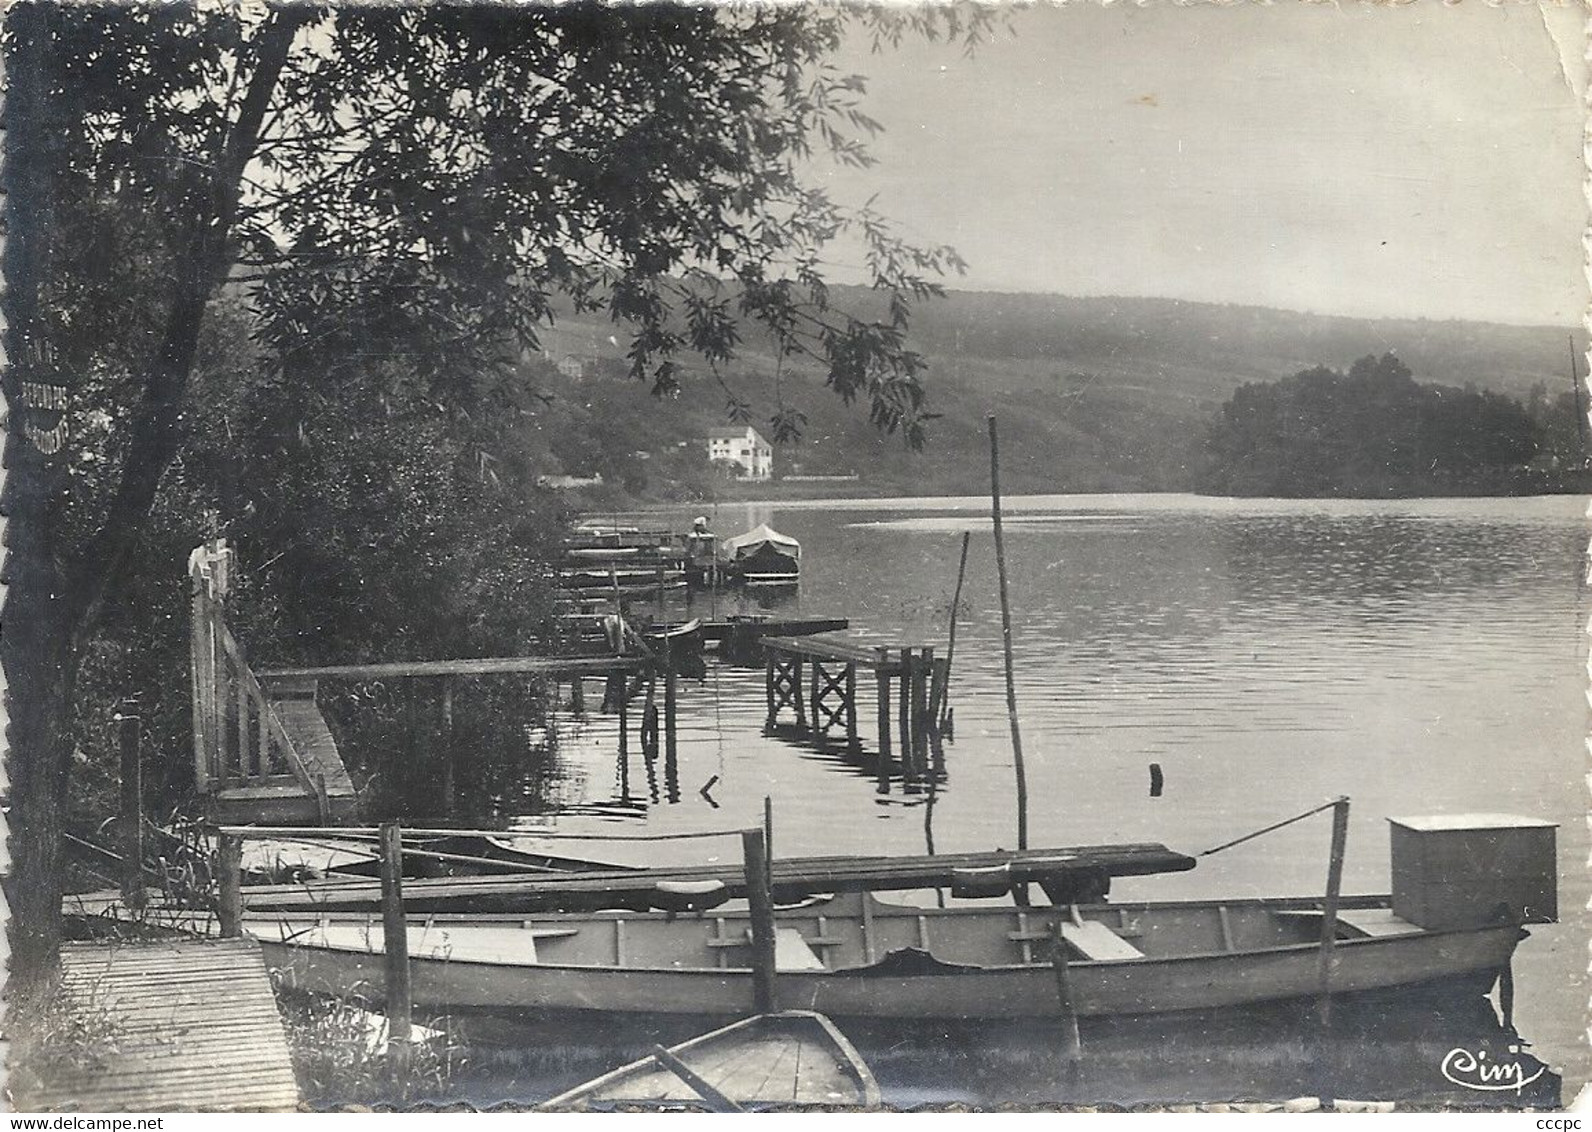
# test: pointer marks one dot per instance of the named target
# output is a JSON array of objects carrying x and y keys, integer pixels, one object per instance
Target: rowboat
[
  {"x": 762, "y": 557},
  {"x": 794, "y": 1058},
  {"x": 856, "y": 957},
  {"x": 1463, "y": 887}
]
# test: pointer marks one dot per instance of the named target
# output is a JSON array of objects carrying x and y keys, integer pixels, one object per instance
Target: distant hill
[{"x": 1093, "y": 394}]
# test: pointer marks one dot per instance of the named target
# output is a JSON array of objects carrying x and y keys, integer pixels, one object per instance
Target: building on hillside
[
  {"x": 573, "y": 367},
  {"x": 743, "y": 446},
  {"x": 568, "y": 481}
]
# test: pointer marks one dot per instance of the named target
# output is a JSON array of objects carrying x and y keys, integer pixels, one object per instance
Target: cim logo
[{"x": 1475, "y": 1071}]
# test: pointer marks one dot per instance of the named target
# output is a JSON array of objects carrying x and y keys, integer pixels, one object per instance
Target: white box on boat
[{"x": 1469, "y": 870}]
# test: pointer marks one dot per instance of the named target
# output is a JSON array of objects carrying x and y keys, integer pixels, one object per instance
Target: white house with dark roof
[{"x": 743, "y": 446}]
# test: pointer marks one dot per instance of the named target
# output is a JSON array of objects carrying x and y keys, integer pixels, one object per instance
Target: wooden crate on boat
[{"x": 1467, "y": 870}]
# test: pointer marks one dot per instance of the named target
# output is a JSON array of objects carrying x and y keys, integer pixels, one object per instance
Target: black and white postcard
[{"x": 785, "y": 556}]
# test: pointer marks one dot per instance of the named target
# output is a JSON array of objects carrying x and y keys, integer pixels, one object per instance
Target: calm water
[{"x": 1419, "y": 656}]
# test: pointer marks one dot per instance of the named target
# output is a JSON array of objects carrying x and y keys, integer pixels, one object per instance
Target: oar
[{"x": 716, "y": 1100}]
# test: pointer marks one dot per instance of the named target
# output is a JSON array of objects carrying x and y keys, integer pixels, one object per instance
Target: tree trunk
[
  {"x": 51, "y": 605},
  {"x": 41, "y": 672},
  {"x": 33, "y": 646}
]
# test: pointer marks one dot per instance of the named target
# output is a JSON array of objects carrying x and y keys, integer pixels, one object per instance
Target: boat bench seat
[
  {"x": 792, "y": 953},
  {"x": 1094, "y": 940},
  {"x": 1375, "y": 922},
  {"x": 1358, "y": 923}
]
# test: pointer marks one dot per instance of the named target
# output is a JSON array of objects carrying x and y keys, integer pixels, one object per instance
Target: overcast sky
[{"x": 1419, "y": 161}]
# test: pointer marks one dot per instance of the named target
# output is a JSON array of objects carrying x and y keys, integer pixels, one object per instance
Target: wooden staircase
[{"x": 259, "y": 756}]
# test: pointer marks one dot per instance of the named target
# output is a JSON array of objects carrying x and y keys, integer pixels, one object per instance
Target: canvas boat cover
[{"x": 754, "y": 540}]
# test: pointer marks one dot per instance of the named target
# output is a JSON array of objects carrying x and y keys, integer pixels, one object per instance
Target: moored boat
[
  {"x": 793, "y": 1058},
  {"x": 858, "y": 957},
  {"x": 762, "y": 557},
  {"x": 854, "y": 956}
]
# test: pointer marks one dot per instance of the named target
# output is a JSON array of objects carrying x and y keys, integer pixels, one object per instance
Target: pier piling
[
  {"x": 229, "y": 902},
  {"x": 1329, "y": 936},
  {"x": 761, "y": 901},
  {"x": 922, "y": 671},
  {"x": 851, "y": 708},
  {"x": 129, "y": 730},
  {"x": 395, "y": 949},
  {"x": 670, "y": 685}
]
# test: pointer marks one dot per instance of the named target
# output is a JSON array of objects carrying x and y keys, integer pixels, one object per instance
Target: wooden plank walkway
[
  {"x": 305, "y": 724},
  {"x": 792, "y": 879},
  {"x": 292, "y": 798},
  {"x": 193, "y": 1025},
  {"x": 840, "y": 650}
]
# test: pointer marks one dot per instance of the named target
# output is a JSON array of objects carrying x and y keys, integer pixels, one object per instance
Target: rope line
[{"x": 1275, "y": 826}]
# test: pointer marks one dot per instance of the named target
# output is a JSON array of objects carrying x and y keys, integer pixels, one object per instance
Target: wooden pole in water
[
  {"x": 950, "y": 644},
  {"x": 1329, "y": 937},
  {"x": 669, "y": 682},
  {"x": 1006, "y": 637},
  {"x": 923, "y": 722},
  {"x": 882, "y": 684},
  {"x": 851, "y": 706},
  {"x": 129, "y": 729},
  {"x": 904, "y": 737},
  {"x": 768, "y": 828},
  {"x": 761, "y": 902},
  {"x": 229, "y": 904},
  {"x": 768, "y": 688},
  {"x": 815, "y": 700},
  {"x": 395, "y": 948}
]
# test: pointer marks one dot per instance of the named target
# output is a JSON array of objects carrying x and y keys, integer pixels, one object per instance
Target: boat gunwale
[
  {"x": 880, "y": 908},
  {"x": 957, "y": 970}
]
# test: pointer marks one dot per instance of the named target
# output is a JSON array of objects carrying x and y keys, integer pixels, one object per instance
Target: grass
[
  {"x": 339, "y": 1051},
  {"x": 58, "y": 1038}
]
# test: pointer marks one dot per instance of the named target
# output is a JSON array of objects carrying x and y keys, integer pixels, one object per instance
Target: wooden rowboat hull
[{"x": 908, "y": 983}]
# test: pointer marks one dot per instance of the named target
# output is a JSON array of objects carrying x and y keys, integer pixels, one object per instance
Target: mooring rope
[{"x": 1275, "y": 826}]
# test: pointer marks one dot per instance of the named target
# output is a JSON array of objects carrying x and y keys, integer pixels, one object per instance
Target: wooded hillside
[{"x": 1094, "y": 394}]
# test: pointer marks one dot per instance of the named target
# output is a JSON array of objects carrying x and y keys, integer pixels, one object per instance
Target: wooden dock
[
  {"x": 1065, "y": 873},
  {"x": 263, "y": 752},
  {"x": 816, "y": 678},
  {"x": 190, "y": 1025}
]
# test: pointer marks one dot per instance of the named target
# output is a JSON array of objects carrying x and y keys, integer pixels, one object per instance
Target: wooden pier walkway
[
  {"x": 190, "y": 1025},
  {"x": 263, "y": 752},
  {"x": 562, "y": 667}
]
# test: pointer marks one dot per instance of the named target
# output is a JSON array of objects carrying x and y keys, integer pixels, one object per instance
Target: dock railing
[{"x": 239, "y": 740}]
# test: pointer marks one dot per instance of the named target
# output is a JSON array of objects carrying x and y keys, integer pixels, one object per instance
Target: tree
[
  {"x": 1371, "y": 431},
  {"x": 413, "y": 184}
]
